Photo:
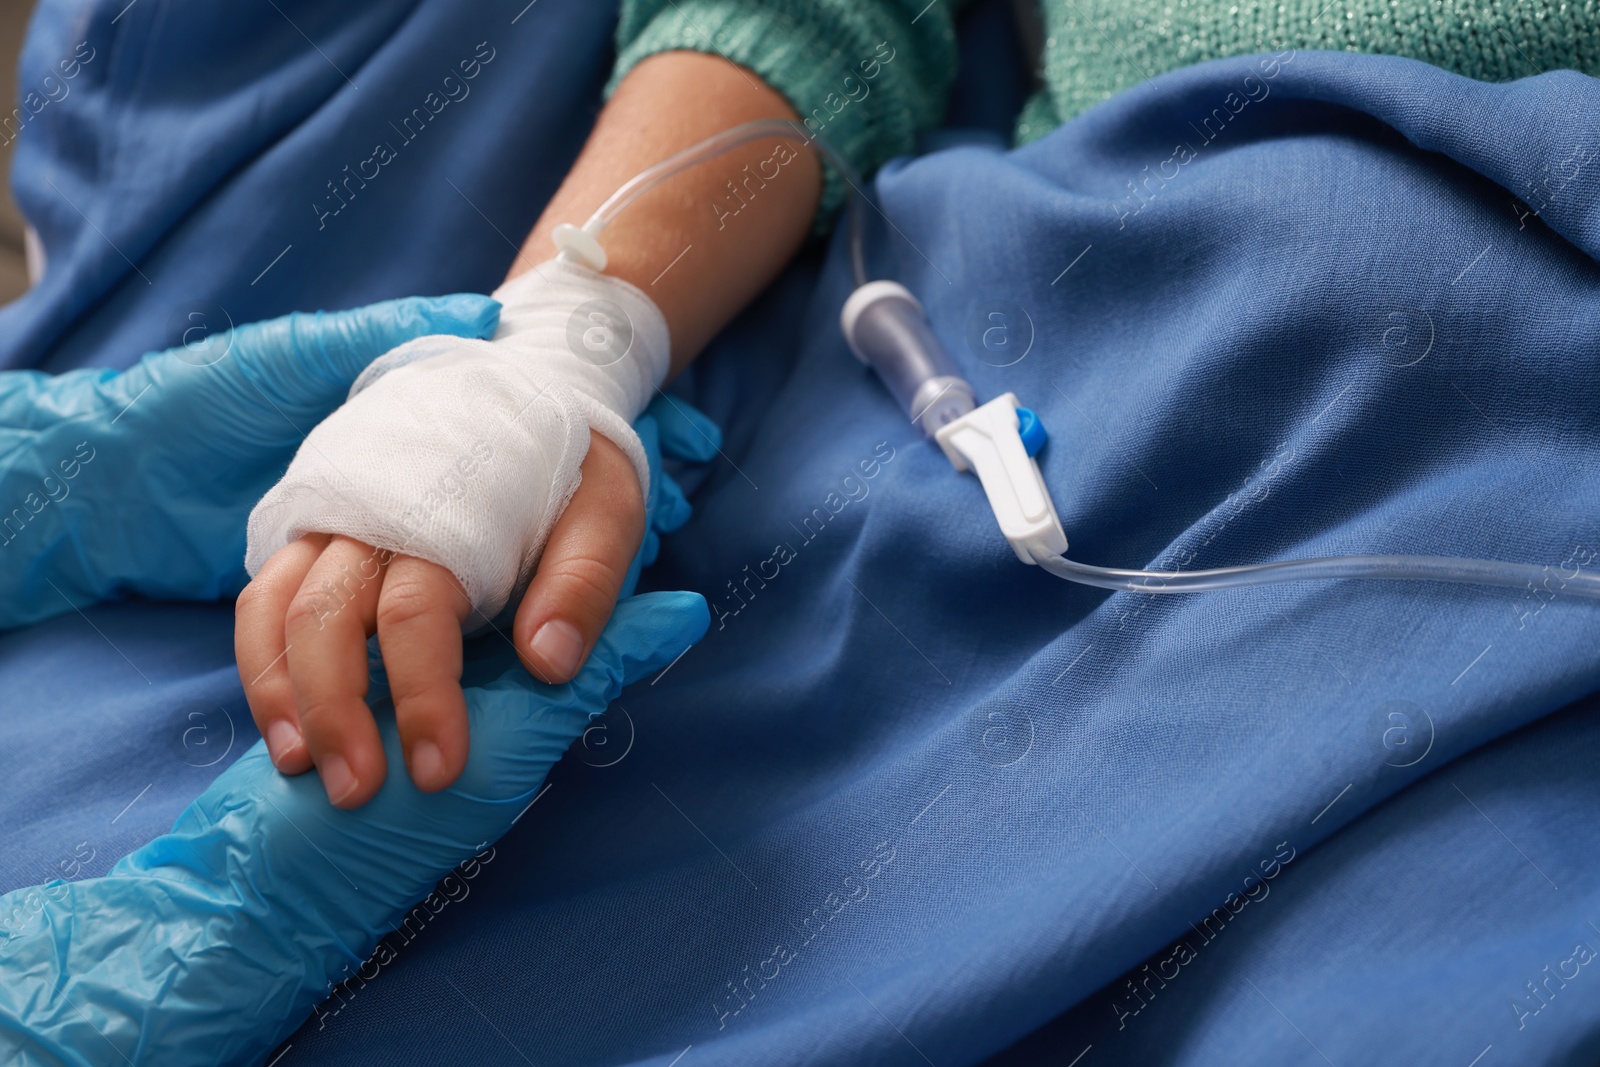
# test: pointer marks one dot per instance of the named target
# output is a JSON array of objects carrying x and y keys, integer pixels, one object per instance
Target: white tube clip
[
  {"x": 578, "y": 246},
  {"x": 986, "y": 441}
]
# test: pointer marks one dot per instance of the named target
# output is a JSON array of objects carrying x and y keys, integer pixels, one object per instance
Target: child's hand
[
  {"x": 459, "y": 475},
  {"x": 300, "y": 676},
  {"x": 304, "y": 621}
]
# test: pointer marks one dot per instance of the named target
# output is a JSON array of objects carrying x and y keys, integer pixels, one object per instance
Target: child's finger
[
  {"x": 583, "y": 566},
  {"x": 327, "y": 626},
  {"x": 259, "y": 646},
  {"x": 419, "y": 629}
]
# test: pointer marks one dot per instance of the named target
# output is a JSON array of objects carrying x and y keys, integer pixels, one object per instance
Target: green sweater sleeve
[
  {"x": 1095, "y": 49},
  {"x": 867, "y": 75}
]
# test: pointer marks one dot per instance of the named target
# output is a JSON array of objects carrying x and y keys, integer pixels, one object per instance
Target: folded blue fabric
[
  {"x": 212, "y": 942},
  {"x": 909, "y": 800}
]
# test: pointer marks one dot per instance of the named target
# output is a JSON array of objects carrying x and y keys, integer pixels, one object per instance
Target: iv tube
[
  {"x": 1483, "y": 572},
  {"x": 721, "y": 144},
  {"x": 1331, "y": 568}
]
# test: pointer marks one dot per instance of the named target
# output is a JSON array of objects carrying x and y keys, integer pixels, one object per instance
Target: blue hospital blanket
[{"x": 909, "y": 801}]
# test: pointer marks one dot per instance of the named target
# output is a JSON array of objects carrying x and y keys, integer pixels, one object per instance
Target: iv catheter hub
[
  {"x": 886, "y": 329},
  {"x": 988, "y": 442}
]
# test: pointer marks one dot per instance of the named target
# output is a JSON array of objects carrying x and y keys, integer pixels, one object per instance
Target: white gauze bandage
[{"x": 465, "y": 452}]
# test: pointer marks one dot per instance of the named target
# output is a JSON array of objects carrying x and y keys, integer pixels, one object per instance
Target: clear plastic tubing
[
  {"x": 1489, "y": 572},
  {"x": 727, "y": 141},
  {"x": 1486, "y": 572},
  {"x": 886, "y": 329}
]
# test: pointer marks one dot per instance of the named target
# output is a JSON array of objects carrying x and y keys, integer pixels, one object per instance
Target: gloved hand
[
  {"x": 141, "y": 481},
  {"x": 428, "y": 503},
  {"x": 669, "y": 429},
  {"x": 302, "y": 626},
  {"x": 211, "y": 944}
]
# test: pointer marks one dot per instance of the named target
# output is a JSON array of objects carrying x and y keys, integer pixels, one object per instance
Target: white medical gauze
[{"x": 465, "y": 452}]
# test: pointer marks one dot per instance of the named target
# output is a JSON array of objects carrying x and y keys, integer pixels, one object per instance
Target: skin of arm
[
  {"x": 667, "y": 103},
  {"x": 701, "y": 250}
]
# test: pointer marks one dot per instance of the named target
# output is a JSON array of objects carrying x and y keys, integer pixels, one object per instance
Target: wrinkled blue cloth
[
  {"x": 331, "y": 158},
  {"x": 910, "y": 801},
  {"x": 212, "y": 942}
]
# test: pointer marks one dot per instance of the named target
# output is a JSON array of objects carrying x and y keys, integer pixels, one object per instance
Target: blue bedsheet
[{"x": 910, "y": 801}]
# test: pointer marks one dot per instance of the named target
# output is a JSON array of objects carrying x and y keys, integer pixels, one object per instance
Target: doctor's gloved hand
[
  {"x": 140, "y": 481},
  {"x": 304, "y": 622},
  {"x": 211, "y": 944}
]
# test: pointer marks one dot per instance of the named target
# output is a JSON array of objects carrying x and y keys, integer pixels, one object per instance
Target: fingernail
[
  {"x": 427, "y": 765},
  {"x": 337, "y": 779},
  {"x": 559, "y": 644},
  {"x": 281, "y": 737}
]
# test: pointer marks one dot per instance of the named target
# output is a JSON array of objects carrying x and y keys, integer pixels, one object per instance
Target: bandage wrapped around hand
[{"x": 464, "y": 452}]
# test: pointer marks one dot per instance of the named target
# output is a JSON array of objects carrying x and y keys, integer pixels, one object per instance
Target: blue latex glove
[
  {"x": 670, "y": 429},
  {"x": 141, "y": 481},
  {"x": 211, "y": 944}
]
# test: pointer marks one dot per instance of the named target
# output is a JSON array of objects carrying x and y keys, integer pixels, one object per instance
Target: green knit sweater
[{"x": 870, "y": 74}]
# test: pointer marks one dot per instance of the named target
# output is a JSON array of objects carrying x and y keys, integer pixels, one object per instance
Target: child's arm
[{"x": 305, "y": 667}]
